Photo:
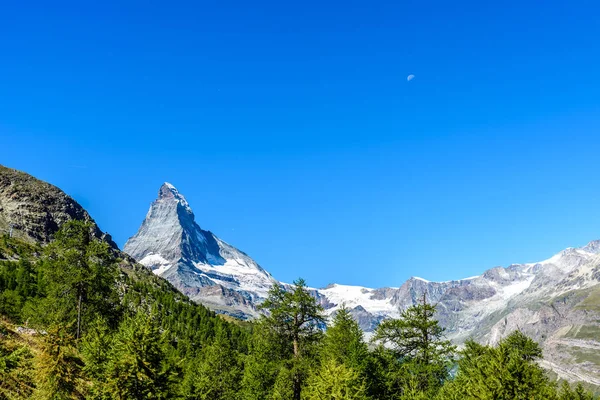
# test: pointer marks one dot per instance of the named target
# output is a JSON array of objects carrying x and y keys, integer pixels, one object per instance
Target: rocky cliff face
[
  {"x": 34, "y": 210},
  {"x": 197, "y": 262}
]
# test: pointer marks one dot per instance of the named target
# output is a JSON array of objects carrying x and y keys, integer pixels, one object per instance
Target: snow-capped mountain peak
[
  {"x": 592, "y": 247},
  {"x": 197, "y": 262},
  {"x": 168, "y": 192}
]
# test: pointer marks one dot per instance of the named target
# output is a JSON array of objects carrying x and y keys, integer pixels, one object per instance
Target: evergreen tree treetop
[{"x": 416, "y": 335}]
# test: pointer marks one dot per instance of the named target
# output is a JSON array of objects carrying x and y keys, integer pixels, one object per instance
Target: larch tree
[
  {"x": 335, "y": 381},
  {"x": 296, "y": 319},
  {"x": 79, "y": 275},
  {"x": 343, "y": 341},
  {"x": 417, "y": 340}
]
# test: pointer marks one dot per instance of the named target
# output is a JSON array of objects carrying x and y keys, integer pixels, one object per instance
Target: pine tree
[
  {"x": 508, "y": 371},
  {"x": 335, "y": 381},
  {"x": 283, "y": 389},
  {"x": 566, "y": 393},
  {"x": 343, "y": 341},
  {"x": 262, "y": 364},
  {"x": 384, "y": 374},
  {"x": 78, "y": 278},
  {"x": 95, "y": 349},
  {"x": 58, "y": 367},
  {"x": 417, "y": 340},
  {"x": 215, "y": 374},
  {"x": 412, "y": 390},
  {"x": 582, "y": 394},
  {"x": 15, "y": 372},
  {"x": 295, "y": 319},
  {"x": 136, "y": 367}
]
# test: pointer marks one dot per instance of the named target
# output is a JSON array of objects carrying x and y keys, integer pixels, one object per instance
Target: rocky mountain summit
[
  {"x": 197, "y": 262},
  {"x": 556, "y": 301},
  {"x": 34, "y": 210}
]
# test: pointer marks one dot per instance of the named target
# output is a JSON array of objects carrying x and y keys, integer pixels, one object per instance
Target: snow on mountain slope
[
  {"x": 462, "y": 303},
  {"x": 198, "y": 263},
  {"x": 358, "y": 296}
]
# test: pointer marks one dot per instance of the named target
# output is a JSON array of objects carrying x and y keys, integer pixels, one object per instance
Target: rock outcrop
[{"x": 34, "y": 210}]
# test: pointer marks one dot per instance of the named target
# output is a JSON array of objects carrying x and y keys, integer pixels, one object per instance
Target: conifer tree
[
  {"x": 295, "y": 319},
  {"x": 215, "y": 374},
  {"x": 95, "y": 349},
  {"x": 335, "y": 381},
  {"x": 507, "y": 371},
  {"x": 417, "y": 340},
  {"x": 566, "y": 393},
  {"x": 581, "y": 393},
  {"x": 343, "y": 341},
  {"x": 284, "y": 388},
  {"x": 58, "y": 367},
  {"x": 136, "y": 367},
  {"x": 79, "y": 276},
  {"x": 262, "y": 364},
  {"x": 15, "y": 371}
]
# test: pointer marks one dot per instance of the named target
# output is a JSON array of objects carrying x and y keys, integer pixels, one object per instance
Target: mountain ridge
[{"x": 521, "y": 296}]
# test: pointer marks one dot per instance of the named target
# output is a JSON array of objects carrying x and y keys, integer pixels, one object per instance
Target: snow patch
[
  {"x": 421, "y": 279},
  {"x": 157, "y": 263},
  {"x": 353, "y": 296}
]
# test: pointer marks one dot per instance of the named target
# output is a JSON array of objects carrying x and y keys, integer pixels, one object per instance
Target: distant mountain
[
  {"x": 556, "y": 301},
  {"x": 197, "y": 262}
]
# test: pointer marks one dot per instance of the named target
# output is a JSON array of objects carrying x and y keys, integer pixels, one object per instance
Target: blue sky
[{"x": 295, "y": 136}]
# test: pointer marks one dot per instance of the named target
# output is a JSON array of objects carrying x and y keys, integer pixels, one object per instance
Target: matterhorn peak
[
  {"x": 172, "y": 245},
  {"x": 169, "y": 192}
]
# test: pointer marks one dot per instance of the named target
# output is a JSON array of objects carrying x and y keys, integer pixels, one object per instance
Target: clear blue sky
[{"x": 295, "y": 136}]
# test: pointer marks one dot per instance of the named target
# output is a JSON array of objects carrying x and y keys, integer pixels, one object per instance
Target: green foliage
[
  {"x": 566, "y": 393},
  {"x": 508, "y": 371},
  {"x": 343, "y": 341},
  {"x": 18, "y": 282},
  {"x": 95, "y": 349},
  {"x": 78, "y": 275},
  {"x": 135, "y": 366},
  {"x": 417, "y": 341},
  {"x": 215, "y": 374},
  {"x": 294, "y": 319},
  {"x": 58, "y": 370},
  {"x": 11, "y": 248},
  {"x": 262, "y": 364},
  {"x": 294, "y": 316},
  {"x": 15, "y": 371},
  {"x": 283, "y": 389},
  {"x": 335, "y": 381}
]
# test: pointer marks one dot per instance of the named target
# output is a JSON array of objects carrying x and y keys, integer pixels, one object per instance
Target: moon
[{"x": 410, "y": 78}]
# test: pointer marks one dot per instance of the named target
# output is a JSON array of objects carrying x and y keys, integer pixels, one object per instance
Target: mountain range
[{"x": 555, "y": 301}]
